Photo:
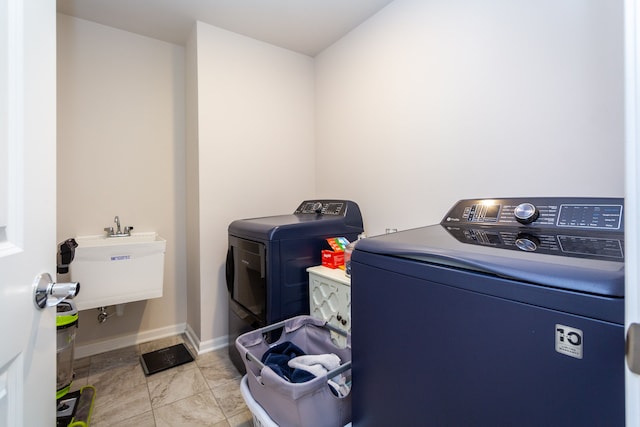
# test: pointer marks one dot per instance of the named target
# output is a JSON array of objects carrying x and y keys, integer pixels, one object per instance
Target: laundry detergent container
[{"x": 312, "y": 403}]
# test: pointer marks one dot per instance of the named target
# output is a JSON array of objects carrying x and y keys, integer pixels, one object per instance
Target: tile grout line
[{"x": 102, "y": 364}]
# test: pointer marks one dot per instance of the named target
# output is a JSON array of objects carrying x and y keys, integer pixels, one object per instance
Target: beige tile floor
[{"x": 205, "y": 392}]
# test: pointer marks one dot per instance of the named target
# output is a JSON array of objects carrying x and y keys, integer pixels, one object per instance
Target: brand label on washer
[{"x": 569, "y": 341}]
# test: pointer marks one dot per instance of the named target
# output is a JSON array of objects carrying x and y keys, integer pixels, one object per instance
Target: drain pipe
[
  {"x": 119, "y": 310},
  {"x": 103, "y": 315}
]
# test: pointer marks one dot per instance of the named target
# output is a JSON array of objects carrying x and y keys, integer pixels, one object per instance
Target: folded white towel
[{"x": 317, "y": 364}]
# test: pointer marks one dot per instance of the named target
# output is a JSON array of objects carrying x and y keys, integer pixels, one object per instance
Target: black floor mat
[{"x": 165, "y": 358}]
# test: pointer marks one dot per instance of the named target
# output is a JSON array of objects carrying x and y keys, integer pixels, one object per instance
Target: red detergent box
[{"x": 334, "y": 258}]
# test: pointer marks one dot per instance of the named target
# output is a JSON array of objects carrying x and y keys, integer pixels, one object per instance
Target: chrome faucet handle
[
  {"x": 127, "y": 229},
  {"x": 109, "y": 230}
]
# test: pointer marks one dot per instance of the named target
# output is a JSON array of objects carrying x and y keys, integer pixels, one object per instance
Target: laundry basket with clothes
[{"x": 303, "y": 378}]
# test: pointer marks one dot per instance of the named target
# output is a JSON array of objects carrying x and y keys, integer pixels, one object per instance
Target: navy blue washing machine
[
  {"x": 510, "y": 312},
  {"x": 267, "y": 261}
]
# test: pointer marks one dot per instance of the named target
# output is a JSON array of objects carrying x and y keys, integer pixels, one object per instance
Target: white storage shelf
[{"x": 330, "y": 298}]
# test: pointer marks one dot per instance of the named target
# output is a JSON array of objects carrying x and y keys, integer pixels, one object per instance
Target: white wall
[
  {"x": 432, "y": 101},
  {"x": 427, "y": 102},
  {"x": 249, "y": 151},
  {"x": 121, "y": 152},
  {"x": 255, "y": 152}
]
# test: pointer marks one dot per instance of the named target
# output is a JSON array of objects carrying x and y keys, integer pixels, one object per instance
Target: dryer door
[{"x": 246, "y": 275}]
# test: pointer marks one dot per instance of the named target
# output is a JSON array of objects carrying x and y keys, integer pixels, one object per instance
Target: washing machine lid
[{"x": 578, "y": 244}]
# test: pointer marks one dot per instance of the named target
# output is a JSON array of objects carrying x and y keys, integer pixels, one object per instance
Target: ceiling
[{"x": 305, "y": 26}]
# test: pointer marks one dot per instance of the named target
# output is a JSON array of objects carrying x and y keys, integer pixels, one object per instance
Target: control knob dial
[{"x": 526, "y": 213}]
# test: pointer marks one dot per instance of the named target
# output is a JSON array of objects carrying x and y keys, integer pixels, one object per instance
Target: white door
[
  {"x": 632, "y": 196},
  {"x": 27, "y": 210}
]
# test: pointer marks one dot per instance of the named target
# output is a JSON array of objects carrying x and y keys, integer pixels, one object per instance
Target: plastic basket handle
[{"x": 333, "y": 373}]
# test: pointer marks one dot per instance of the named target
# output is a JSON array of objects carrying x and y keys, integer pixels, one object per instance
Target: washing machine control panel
[
  {"x": 323, "y": 207},
  {"x": 576, "y": 213},
  {"x": 575, "y": 227}
]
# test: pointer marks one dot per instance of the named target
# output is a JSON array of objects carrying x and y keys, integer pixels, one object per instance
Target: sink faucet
[
  {"x": 118, "y": 230},
  {"x": 117, "y": 221}
]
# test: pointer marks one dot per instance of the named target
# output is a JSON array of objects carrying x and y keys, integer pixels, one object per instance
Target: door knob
[{"x": 48, "y": 294}]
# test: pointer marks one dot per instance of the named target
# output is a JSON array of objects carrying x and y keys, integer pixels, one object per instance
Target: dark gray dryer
[
  {"x": 510, "y": 312},
  {"x": 267, "y": 261}
]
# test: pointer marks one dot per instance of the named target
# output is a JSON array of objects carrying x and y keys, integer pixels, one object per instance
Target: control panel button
[{"x": 526, "y": 213}]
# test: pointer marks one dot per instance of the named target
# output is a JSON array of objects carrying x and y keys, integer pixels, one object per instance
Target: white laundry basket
[
  {"x": 311, "y": 403},
  {"x": 260, "y": 416}
]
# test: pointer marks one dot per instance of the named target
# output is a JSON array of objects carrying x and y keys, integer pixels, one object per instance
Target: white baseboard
[
  {"x": 214, "y": 344},
  {"x": 128, "y": 340},
  {"x": 193, "y": 339},
  {"x": 205, "y": 346},
  {"x": 201, "y": 347}
]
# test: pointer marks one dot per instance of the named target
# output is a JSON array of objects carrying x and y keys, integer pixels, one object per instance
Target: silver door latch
[{"x": 48, "y": 294}]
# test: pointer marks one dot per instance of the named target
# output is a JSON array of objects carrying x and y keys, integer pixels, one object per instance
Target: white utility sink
[{"x": 117, "y": 270}]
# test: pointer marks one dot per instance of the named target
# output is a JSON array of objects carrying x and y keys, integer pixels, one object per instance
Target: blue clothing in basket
[{"x": 277, "y": 358}]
